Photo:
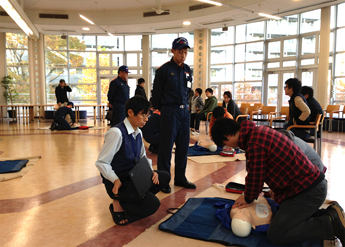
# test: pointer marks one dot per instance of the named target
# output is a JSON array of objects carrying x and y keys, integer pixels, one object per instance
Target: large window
[
  {"x": 89, "y": 63},
  {"x": 339, "y": 59},
  {"x": 74, "y": 60},
  {"x": 17, "y": 66}
]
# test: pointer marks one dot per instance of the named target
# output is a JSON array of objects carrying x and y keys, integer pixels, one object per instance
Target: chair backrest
[
  {"x": 220, "y": 103},
  {"x": 252, "y": 108},
  {"x": 259, "y": 105},
  {"x": 245, "y": 105},
  {"x": 332, "y": 108},
  {"x": 244, "y": 110},
  {"x": 284, "y": 111},
  {"x": 267, "y": 109},
  {"x": 318, "y": 121}
]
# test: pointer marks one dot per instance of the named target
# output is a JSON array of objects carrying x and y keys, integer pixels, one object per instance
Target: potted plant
[{"x": 10, "y": 92}]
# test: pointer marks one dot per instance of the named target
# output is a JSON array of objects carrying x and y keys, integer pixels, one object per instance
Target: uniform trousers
[{"x": 174, "y": 128}]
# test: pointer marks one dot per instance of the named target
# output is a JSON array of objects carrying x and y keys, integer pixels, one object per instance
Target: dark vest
[
  {"x": 295, "y": 112},
  {"x": 124, "y": 159}
]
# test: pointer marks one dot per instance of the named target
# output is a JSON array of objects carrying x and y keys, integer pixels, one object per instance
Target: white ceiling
[{"x": 126, "y": 16}]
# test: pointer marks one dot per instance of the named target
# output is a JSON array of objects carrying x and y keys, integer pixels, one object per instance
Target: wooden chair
[
  {"x": 340, "y": 118},
  {"x": 330, "y": 110},
  {"x": 265, "y": 114},
  {"x": 249, "y": 114},
  {"x": 245, "y": 105},
  {"x": 260, "y": 105},
  {"x": 220, "y": 103},
  {"x": 316, "y": 139},
  {"x": 284, "y": 116}
]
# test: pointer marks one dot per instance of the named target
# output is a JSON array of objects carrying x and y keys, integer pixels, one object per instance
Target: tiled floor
[{"x": 62, "y": 202}]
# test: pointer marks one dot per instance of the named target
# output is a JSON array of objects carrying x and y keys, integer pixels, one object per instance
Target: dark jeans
[
  {"x": 297, "y": 218},
  {"x": 138, "y": 209},
  {"x": 198, "y": 118}
]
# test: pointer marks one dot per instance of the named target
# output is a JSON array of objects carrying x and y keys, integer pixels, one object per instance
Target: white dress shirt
[{"x": 112, "y": 144}]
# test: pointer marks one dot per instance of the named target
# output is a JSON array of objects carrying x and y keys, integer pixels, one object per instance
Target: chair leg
[
  {"x": 330, "y": 126},
  {"x": 320, "y": 143},
  {"x": 206, "y": 125}
]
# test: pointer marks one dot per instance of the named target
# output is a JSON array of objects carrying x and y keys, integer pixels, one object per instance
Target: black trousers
[
  {"x": 62, "y": 123},
  {"x": 192, "y": 120},
  {"x": 139, "y": 209},
  {"x": 198, "y": 118}
]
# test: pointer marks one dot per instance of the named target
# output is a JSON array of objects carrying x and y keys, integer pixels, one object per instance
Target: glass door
[
  {"x": 308, "y": 77},
  {"x": 276, "y": 93}
]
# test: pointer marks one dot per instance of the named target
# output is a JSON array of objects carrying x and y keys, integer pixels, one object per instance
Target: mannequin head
[
  {"x": 242, "y": 222},
  {"x": 241, "y": 228}
]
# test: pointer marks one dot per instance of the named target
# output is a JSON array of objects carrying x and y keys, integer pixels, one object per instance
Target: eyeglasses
[
  {"x": 144, "y": 115},
  {"x": 286, "y": 87}
]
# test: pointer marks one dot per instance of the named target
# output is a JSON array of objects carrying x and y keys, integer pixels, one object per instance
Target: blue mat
[
  {"x": 196, "y": 219},
  {"x": 193, "y": 152},
  {"x": 8, "y": 166}
]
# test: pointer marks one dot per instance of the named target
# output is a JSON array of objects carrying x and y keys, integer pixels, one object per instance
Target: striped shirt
[{"x": 272, "y": 158}]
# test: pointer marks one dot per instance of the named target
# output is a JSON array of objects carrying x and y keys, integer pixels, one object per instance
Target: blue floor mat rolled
[
  {"x": 196, "y": 219},
  {"x": 8, "y": 166}
]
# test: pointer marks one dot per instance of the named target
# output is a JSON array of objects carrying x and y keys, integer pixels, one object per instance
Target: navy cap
[
  {"x": 123, "y": 68},
  {"x": 71, "y": 103},
  {"x": 180, "y": 43}
]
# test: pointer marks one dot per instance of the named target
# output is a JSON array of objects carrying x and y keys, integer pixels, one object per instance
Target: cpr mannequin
[
  {"x": 210, "y": 145},
  {"x": 257, "y": 214}
]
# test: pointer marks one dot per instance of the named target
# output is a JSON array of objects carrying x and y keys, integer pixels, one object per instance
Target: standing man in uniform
[
  {"x": 171, "y": 88},
  {"x": 118, "y": 94},
  {"x": 61, "y": 93}
]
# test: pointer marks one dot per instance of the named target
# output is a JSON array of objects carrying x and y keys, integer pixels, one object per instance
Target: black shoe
[
  {"x": 166, "y": 190},
  {"x": 186, "y": 184},
  {"x": 336, "y": 213},
  {"x": 53, "y": 126}
]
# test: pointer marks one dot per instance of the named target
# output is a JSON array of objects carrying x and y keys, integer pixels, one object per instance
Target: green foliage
[{"x": 10, "y": 93}]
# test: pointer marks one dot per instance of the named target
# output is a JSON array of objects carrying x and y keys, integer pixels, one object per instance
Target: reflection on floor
[{"x": 62, "y": 202}]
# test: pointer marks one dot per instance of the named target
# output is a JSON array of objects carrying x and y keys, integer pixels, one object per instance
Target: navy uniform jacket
[
  {"x": 63, "y": 111},
  {"x": 172, "y": 85},
  {"x": 315, "y": 108},
  {"x": 118, "y": 91},
  {"x": 61, "y": 94}
]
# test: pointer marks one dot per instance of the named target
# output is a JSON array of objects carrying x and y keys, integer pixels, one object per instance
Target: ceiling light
[
  {"x": 186, "y": 23},
  {"x": 86, "y": 29},
  {"x": 89, "y": 21},
  {"x": 14, "y": 10},
  {"x": 211, "y": 2},
  {"x": 270, "y": 16},
  {"x": 110, "y": 34}
]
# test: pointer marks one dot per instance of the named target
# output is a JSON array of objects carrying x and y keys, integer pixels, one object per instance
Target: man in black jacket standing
[
  {"x": 118, "y": 94},
  {"x": 140, "y": 90},
  {"x": 61, "y": 93}
]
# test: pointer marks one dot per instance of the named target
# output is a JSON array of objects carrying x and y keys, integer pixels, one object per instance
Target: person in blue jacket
[
  {"x": 118, "y": 94},
  {"x": 60, "y": 122},
  {"x": 171, "y": 88}
]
